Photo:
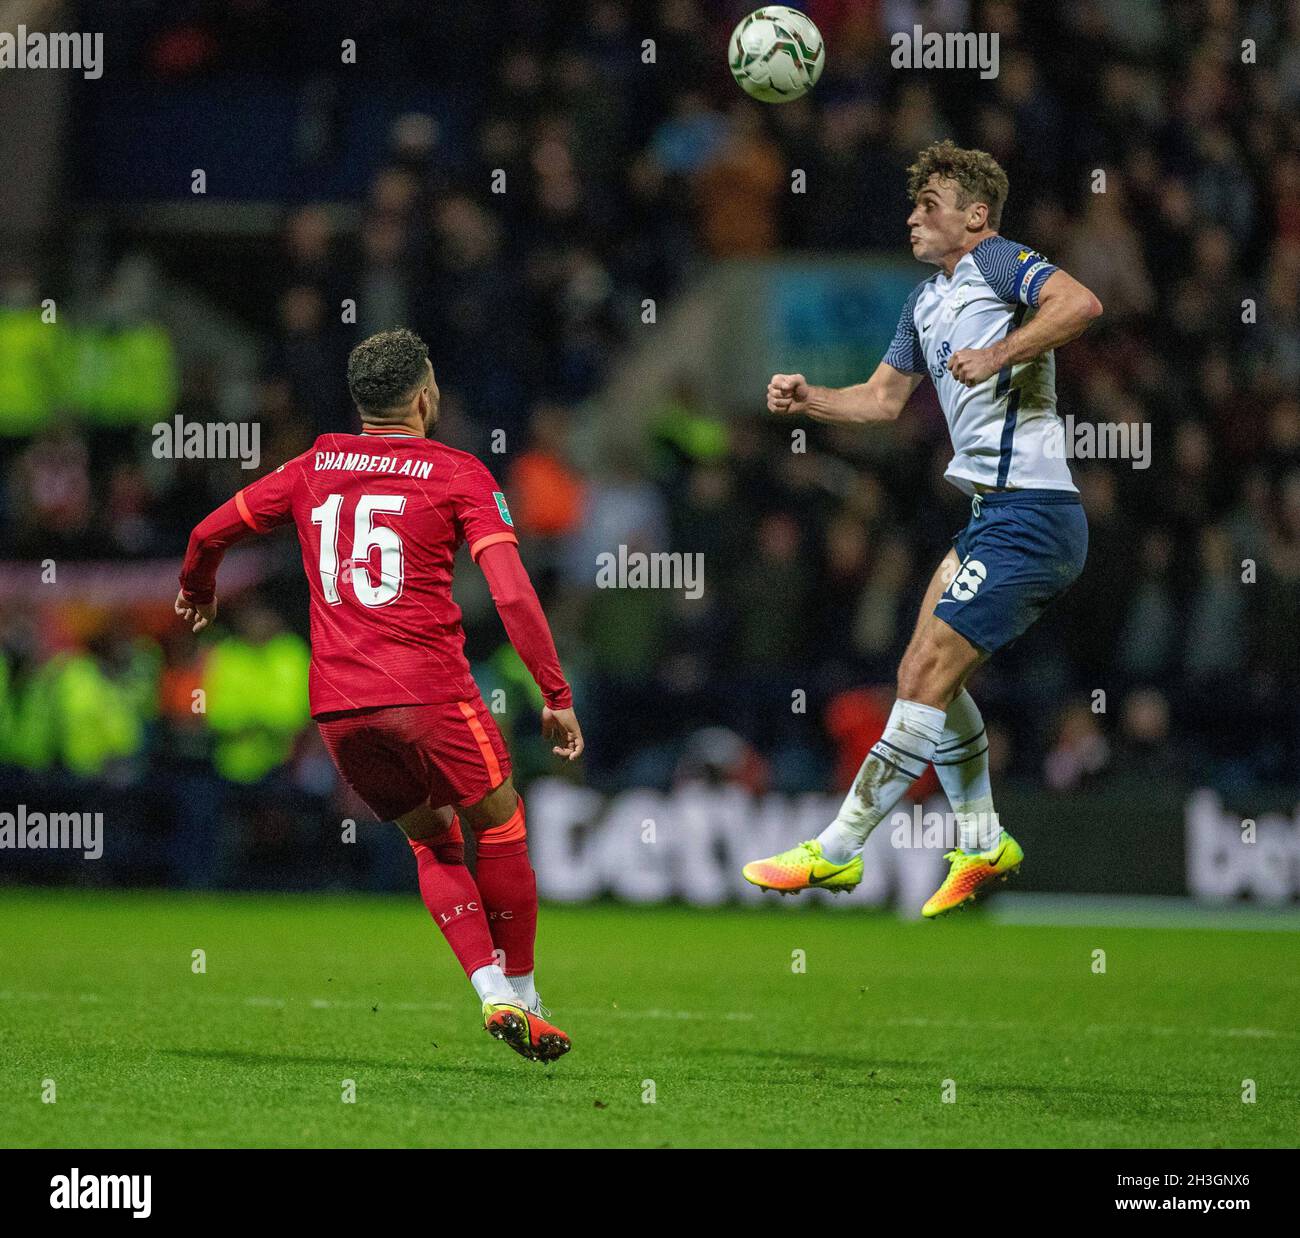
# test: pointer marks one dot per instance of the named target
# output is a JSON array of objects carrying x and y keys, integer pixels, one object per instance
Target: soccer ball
[{"x": 777, "y": 54}]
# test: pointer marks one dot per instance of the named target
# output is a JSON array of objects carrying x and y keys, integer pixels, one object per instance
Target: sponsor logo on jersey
[
  {"x": 940, "y": 366},
  {"x": 502, "y": 508}
]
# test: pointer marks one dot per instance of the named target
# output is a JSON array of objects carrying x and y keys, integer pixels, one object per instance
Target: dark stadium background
[{"x": 630, "y": 183}]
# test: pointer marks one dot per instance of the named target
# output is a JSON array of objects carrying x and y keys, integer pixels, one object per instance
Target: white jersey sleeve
[
  {"x": 905, "y": 352},
  {"x": 1015, "y": 273}
]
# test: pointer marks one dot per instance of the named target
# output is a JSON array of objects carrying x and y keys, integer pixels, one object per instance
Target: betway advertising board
[{"x": 646, "y": 846}]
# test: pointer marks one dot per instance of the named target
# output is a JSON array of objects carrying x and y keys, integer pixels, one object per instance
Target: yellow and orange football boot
[
  {"x": 803, "y": 868},
  {"x": 970, "y": 872},
  {"x": 525, "y": 1031}
]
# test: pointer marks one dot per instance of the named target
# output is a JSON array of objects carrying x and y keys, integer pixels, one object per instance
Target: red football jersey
[{"x": 380, "y": 516}]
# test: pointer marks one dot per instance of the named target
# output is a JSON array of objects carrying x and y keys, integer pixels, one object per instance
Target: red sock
[
  {"x": 509, "y": 888},
  {"x": 454, "y": 900}
]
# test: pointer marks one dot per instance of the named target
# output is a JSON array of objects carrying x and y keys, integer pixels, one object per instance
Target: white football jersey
[{"x": 1005, "y": 431}]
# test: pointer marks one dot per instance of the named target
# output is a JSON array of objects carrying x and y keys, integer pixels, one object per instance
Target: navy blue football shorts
[{"x": 1020, "y": 551}]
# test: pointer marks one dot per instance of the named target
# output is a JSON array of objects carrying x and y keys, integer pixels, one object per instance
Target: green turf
[{"x": 302, "y": 993}]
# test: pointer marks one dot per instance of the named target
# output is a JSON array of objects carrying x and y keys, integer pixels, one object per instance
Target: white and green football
[{"x": 776, "y": 54}]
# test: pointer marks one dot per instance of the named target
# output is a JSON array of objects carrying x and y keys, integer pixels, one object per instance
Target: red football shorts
[{"x": 397, "y": 757}]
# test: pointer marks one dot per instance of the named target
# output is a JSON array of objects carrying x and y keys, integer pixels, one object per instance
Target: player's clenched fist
[
  {"x": 787, "y": 393},
  {"x": 972, "y": 366}
]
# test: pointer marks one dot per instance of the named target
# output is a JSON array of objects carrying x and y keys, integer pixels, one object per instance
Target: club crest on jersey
[
  {"x": 502, "y": 508},
  {"x": 955, "y": 304}
]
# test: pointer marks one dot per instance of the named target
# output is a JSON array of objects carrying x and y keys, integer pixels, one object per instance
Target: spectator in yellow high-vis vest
[{"x": 255, "y": 687}]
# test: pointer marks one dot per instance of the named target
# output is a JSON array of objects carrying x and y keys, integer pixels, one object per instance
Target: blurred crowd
[{"x": 1148, "y": 153}]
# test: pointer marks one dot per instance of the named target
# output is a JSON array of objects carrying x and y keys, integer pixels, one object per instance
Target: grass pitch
[{"x": 704, "y": 1012}]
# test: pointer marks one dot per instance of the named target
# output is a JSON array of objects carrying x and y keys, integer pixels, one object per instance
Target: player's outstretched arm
[
  {"x": 196, "y": 603},
  {"x": 530, "y": 634},
  {"x": 881, "y": 398},
  {"x": 258, "y": 508},
  {"x": 1065, "y": 308}
]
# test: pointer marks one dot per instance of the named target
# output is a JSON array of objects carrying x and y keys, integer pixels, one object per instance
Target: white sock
[
  {"x": 896, "y": 760},
  {"x": 523, "y": 989},
  {"x": 491, "y": 984},
  {"x": 961, "y": 760}
]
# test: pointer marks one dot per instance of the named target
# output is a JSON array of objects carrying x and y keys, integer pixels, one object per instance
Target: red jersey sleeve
[
  {"x": 267, "y": 503},
  {"x": 525, "y": 623},
  {"x": 258, "y": 508},
  {"x": 480, "y": 510},
  {"x": 209, "y": 541}
]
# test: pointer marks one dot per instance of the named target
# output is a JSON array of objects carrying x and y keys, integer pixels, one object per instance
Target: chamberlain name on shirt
[{"x": 362, "y": 463}]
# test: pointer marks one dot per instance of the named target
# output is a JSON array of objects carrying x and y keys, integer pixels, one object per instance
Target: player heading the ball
[{"x": 983, "y": 328}]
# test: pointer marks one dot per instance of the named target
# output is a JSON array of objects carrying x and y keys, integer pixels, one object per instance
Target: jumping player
[
  {"x": 983, "y": 328},
  {"x": 379, "y": 517}
]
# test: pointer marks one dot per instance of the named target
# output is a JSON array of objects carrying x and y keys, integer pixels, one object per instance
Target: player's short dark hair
[
  {"x": 386, "y": 370},
  {"x": 975, "y": 172}
]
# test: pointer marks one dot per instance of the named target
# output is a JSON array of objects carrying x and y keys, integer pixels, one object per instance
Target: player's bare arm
[
  {"x": 881, "y": 398},
  {"x": 1065, "y": 308}
]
